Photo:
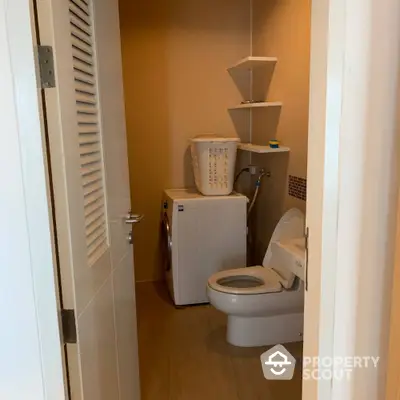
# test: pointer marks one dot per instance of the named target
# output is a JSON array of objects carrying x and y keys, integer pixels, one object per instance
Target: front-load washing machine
[{"x": 201, "y": 235}]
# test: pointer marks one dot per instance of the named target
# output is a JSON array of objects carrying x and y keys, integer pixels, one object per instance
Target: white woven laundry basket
[{"x": 213, "y": 159}]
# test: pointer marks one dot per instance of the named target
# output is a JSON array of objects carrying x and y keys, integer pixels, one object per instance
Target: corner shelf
[
  {"x": 258, "y": 105},
  {"x": 253, "y": 62},
  {"x": 255, "y": 148}
]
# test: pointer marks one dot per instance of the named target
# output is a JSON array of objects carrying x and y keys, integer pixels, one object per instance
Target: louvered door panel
[
  {"x": 88, "y": 128},
  {"x": 87, "y": 138}
]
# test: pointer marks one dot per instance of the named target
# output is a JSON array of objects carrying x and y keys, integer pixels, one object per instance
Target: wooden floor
[{"x": 184, "y": 355}]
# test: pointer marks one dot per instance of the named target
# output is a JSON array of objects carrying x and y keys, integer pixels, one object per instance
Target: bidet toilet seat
[
  {"x": 246, "y": 281},
  {"x": 262, "y": 304}
]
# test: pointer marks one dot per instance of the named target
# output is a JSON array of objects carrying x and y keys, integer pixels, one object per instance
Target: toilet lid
[
  {"x": 252, "y": 280},
  {"x": 290, "y": 226}
]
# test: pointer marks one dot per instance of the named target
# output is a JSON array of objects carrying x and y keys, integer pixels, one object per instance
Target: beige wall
[
  {"x": 281, "y": 28},
  {"x": 175, "y": 55}
]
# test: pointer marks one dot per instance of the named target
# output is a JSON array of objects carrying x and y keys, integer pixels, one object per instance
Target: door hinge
[
  {"x": 68, "y": 326},
  {"x": 307, "y": 237},
  {"x": 46, "y": 67}
]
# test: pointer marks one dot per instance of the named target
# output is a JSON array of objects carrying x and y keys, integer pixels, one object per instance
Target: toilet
[{"x": 264, "y": 304}]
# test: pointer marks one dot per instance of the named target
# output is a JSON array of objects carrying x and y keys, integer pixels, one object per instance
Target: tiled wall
[{"x": 297, "y": 187}]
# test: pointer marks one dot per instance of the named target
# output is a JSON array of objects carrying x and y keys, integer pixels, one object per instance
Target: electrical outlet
[
  {"x": 257, "y": 170},
  {"x": 253, "y": 169}
]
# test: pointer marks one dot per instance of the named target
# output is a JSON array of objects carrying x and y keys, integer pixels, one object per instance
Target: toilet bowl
[{"x": 264, "y": 304}]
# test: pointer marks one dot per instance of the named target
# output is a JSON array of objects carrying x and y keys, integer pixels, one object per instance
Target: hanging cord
[
  {"x": 240, "y": 173},
  {"x": 258, "y": 185}
]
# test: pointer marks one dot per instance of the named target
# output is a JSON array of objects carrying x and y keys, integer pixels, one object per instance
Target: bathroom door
[{"x": 85, "y": 121}]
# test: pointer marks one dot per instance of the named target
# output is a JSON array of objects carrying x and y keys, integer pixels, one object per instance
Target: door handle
[{"x": 133, "y": 219}]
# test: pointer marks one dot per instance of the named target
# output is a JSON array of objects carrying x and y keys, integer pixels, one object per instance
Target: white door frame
[
  {"x": 352, "y": 189},
  {"x": 393, "y": 373},
  {"x": 30, "y": 350},
  {"x": 326, "y": 68},
  {"x": 352, "y": 109}
]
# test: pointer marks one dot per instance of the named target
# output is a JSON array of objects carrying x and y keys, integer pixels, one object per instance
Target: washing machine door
[{"x": 166, "y": 243}]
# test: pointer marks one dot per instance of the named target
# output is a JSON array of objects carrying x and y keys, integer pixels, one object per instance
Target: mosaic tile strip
[{"x": 298, "y": 187}]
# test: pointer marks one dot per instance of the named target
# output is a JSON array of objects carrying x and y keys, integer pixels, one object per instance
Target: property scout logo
[{"x": 278, "y": 364}]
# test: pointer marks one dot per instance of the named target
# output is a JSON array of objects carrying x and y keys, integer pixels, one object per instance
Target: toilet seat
[
  {"x": 260, "y": 280},
  {"x": 262, "y": 304}
]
